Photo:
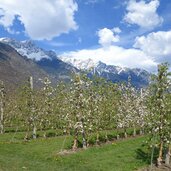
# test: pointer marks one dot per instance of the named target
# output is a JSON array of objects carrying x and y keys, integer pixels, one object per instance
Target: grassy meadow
[{"x": 43, "y": 154}]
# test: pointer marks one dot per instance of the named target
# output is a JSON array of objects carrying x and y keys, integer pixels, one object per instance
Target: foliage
[{"x": 87, "y": 108}]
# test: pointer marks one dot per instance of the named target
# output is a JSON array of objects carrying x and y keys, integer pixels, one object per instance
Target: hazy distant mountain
[{"x": 112, "y": 73}]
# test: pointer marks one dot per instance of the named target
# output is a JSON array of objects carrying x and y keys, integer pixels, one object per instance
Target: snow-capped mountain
[
  {"x": 98, "y": 66},
  {"x": 29, "y": 49},
  {"x": 15, "y": 69},
  {"x": 82, "y": 64},
  {"x": 112, "y": 73},
  {"x": 61, "y": 67},
  {"x": 45, "y": 60}
]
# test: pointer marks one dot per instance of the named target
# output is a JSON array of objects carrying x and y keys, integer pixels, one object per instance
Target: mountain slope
[
  {"x": 139, "y": 77},
  {"x": 46, "y": 60},
  {"x": 15, "y": 69},
  {"x": 56, "y": 68},
  {"x": 26, "y": 48},
  {"x": 62, "y": 68}
]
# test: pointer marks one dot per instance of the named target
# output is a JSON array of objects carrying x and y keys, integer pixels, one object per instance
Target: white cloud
[
  {"x": 12, "y": 31},
  {"x": 143, "y": 14},
  {"x": 6, "y": 18},
  {"x": 42, "y": 19},
  {"x": 116, "y": 30},
  {"x": 115, "y": 55},
  {"x": 147, "y": 52},
  {"x": 156, "y": 44},
  {"x": 107, "y": 36}
]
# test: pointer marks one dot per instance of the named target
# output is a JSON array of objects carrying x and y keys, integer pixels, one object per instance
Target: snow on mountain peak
[
  {"x": 4, "y": 39},
  {"x": 27, "y": 48},
  {"x": 83, "y": 64},
  {"x": 88, "y": 64},
  {"x": 100, "y": 67}
]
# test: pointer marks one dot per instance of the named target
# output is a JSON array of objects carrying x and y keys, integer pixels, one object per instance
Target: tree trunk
[
  {"x": 84, "y": 141},
  {"x": 125, "y": 134},
  {"x": 34, "y": 131},
  {"x": 75, "y": 144},
  {"x": 141, "y": 131},
  {"x": 106, "y": 137},
  {"x": 45, "y": 134},
  {"x": 88, "y": 139},
  {"x": 83, "y": 135},
  {"x": 2, "y": 116},
  {"x": 160, "y": 157},
  {"x": 26, "y": 137},
  {"x": 134, "y": 132},
  {"x": 33, "y": 109},
  {"x": 168, "y": 153},
  {"x": 97, "y": 139},
  {"x": 2, "y": 95},
  {"x": 117, "y": 137},
  {"x": 27, "y": 134}
]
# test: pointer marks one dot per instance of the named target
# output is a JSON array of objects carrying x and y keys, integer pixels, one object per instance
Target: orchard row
[{"x": 85, "y": 106}]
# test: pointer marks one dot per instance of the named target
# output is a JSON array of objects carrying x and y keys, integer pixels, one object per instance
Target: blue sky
[{"x": 131, "y": 33}]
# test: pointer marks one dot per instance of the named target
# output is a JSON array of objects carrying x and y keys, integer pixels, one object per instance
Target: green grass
[{"x": 42, "y": 155}]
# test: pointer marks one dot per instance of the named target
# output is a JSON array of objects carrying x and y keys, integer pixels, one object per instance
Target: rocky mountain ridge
[{"x": 62, "y": 67}]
